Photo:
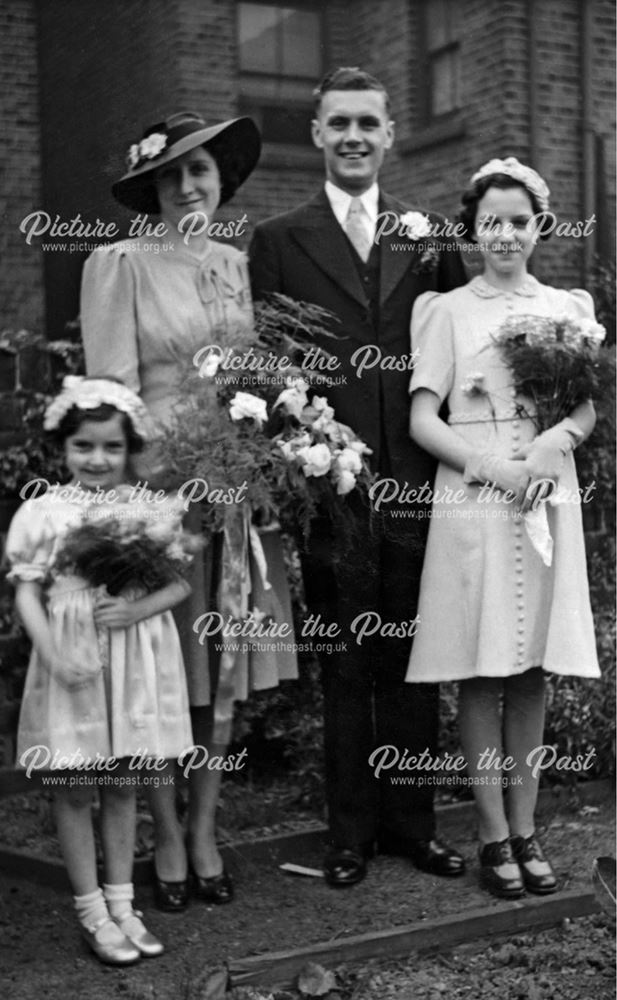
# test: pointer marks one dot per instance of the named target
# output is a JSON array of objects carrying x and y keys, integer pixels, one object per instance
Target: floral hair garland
[
  {"x": 526, "y": 176},
  {"x": 88, "y": 393}
]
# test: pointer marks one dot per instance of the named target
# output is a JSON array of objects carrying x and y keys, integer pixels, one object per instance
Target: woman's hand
[
  {"x": 546, "y": 454},
  {"x": 505, "y": 474},
  {"x": 115, "y": 612}
]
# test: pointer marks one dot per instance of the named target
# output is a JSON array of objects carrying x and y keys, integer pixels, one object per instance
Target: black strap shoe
[
  {"x": 526, "y": 850},
  {"x": 345, "y": 866},
  {"x": 218, "y": 889},
  {"x": 428, "y": 855},
  {"x": 493, "y": 857},
  {"x": 171, "y": 897}
]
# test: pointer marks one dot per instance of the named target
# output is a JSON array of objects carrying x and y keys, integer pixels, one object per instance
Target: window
[
  {"x": 442, "y": 58},
  {"x": 281, "y": 59}
]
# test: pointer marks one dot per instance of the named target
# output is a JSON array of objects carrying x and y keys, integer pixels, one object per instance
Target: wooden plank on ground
[{"x": 282, "y": 967}]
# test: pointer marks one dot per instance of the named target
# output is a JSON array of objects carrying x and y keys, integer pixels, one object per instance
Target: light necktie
[{"x": 356, "y": 230}]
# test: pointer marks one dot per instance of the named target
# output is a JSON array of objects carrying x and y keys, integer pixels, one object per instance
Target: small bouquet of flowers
[
  {"x": 325, "y": 460},
  {"x": 555, "y": 363},
  {"x": 129, "y": 544},
  {"x": 275, "y": 448}
]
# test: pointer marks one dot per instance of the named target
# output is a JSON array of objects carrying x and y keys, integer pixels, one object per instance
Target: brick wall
[
  {"x": 106, "y": 69},
  {"x": 285, "y": 175},
  {"x": 496, "y": 107},
  {"x": 21, "y": 277}
]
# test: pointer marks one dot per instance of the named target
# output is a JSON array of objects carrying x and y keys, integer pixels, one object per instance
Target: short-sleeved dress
[
  {"x": 489, "y": 607},
  {"x": 147, "y": 306},
  {"x": 136, "y": 700}
]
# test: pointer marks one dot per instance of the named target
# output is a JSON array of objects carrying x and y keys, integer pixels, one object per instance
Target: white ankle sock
[
  {"x": 119, "y": 897},
  {"x": 91, "y": 909}
]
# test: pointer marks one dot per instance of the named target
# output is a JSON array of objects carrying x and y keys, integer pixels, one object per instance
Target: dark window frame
[
  {"x": 428, "y": 58},
  {"x": 259, "y": 105}
]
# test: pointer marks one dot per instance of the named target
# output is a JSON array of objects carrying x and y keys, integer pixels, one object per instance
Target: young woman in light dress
[{"x": 493, "y": 616}]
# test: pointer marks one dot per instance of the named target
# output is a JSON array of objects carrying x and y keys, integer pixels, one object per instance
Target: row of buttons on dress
[{"x": 518, "y": 545}]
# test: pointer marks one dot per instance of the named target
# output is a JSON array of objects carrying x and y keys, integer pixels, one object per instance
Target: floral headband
[
  {"x": 526, "y": 176},
  {"x": 88, "y": 393}
]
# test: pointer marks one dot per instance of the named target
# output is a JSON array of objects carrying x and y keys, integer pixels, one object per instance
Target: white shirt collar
[{"x": 340, "y": 201}]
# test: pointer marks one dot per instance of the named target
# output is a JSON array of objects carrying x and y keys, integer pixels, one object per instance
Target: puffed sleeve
[
  {"x": 108, "y": 319},
  {"x": 432, "y": 344},
  {"x": 29, "y": 544},
  {"x": 581, "y": 304}
]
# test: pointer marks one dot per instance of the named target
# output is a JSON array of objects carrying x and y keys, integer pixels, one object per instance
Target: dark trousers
[{"x": 367, "y": 703}]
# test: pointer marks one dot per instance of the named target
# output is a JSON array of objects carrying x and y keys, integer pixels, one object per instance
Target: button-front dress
[{"x": 489, "y": 606}]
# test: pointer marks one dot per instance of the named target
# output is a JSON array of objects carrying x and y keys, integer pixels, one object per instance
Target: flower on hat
[{"x": 150, "y": 147}]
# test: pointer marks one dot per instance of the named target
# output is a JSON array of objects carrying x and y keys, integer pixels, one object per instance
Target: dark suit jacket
[{"x": 305, "y": 254}]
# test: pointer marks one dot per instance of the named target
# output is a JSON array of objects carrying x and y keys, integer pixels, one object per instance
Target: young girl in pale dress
[
  {"x": 493, "y": 615},
  {"x": 106, "y": 678}
]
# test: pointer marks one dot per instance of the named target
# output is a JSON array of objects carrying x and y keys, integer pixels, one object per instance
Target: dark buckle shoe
[
  {"x": 345, "y": 866},
  {"x": 526, "y": 849},
  {"x": 428, "y": 855},
  {"x": 217, "y": 889},
  {"x": 492, "y": 857}
]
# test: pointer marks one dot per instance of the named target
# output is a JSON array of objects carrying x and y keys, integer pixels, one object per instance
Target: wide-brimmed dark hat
[{"x": 234, "y": 144}]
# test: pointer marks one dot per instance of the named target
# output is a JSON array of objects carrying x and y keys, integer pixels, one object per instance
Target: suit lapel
[
  {"x": 395, "y": 262},
  {"x": 321, "y": 237}
]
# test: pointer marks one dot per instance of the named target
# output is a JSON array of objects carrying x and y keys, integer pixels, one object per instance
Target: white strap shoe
[
  {"x": 138, "y": 934},
  {"x": 110, "y": 944}
]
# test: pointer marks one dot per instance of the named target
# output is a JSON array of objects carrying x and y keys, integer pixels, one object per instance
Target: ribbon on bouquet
[
  {"x": 536, "y": 521},
  {"x": 240, "y": 541}
]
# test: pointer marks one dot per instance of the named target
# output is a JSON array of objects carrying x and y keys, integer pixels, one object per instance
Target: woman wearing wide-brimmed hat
[{"x": 148, "y": 304}]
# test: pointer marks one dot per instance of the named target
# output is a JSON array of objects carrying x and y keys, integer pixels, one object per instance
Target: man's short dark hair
[{"x": 348, "y": 78}]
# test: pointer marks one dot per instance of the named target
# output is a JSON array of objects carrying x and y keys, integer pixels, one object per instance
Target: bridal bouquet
[
  {"x": 273, "y": 447},
  {"x": 129, "y": 544},
  {"x": 555, "y": 363}
]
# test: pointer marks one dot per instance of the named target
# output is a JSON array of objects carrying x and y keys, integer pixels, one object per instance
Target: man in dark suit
[{"x": 334, "y": 251}]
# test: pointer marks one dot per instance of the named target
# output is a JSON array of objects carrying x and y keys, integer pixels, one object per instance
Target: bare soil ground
[{"x": 43, "y": 955}]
